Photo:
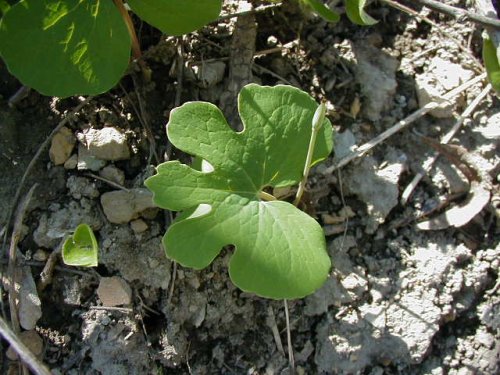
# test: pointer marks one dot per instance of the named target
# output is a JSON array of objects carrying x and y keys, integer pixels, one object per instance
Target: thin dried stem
[
  {"x": 291, "y": 359},
  {"x": 16, "y": 235},
  {"x": 446, "y": 139},
  {"x": 460, "y": 13},
  {"x": 403, "y": 124},
  {"x": 22, "y": 350}
]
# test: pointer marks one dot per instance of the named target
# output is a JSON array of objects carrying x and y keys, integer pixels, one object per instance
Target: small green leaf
[
  {"x": 65, "y": 47},
  {"x": 279, "y": 250},
  {"x": 355, "y": 12},
  {"x": 491, "y": 63},
  {"x": 81, "y": 248},
  {"x": 322, "y": 10},
  {"x": 177, "y": 17}
]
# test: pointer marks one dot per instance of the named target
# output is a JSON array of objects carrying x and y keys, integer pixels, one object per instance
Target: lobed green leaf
[{"x": 279, "y": 250}]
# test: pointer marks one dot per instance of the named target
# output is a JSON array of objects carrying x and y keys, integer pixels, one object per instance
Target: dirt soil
[{"x": 399, "y": 300}]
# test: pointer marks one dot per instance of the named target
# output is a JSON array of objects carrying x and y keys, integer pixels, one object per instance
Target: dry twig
[
  {"x": 402, "y": 124},
  {"x": 16, "y": 235},
  {"x": 22, "y": 350},
  {"x": 447, "y": 138},
  {"x": 460, "y": 13}
]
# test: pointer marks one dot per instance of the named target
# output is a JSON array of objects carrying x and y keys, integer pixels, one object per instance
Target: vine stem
[{"x": 317, "y": 122}]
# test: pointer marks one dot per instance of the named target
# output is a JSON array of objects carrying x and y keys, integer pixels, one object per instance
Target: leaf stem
[
  {"x": 291, "y": 359},
  {"x": 317, "y": 122},
  {"x": 266, "y": 196},
  {"x": 136, "y": 49}
]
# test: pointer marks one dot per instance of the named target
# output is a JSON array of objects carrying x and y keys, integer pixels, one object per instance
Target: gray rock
[
  {"x": 350, "y": 344},
  {"x": 122, "y": 206},
  {"x": 415, "y": 319},
  {"x": 375, "y": 72},
  {"x": 130, "y": 255},
  {"x": 30, "y": 306},
  {"x": 378, "y": 188},
  {"x": 53, "y": 227},
  {"x": 209, "y": 74},
  {"x": 72, "y": 162},
  {"x": 344, "y": 144},
  {"x": 88, "y": 161},
  {"x": 114, "y": 291},
  {"x": 106, "y": 144},
  {"x": 112, "y": 173},
  {"x": 81, "y": 187},
  {"x": 441, "y": 77}
]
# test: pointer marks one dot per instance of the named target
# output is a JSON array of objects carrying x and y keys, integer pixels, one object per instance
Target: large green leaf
[
  {"x": 65, "y": 47},
  {"x": 322, "y": 10},
  {"x": 177, "y": 17},
  {"x": 356, "y": 13},
  {"x": 279, "y": 250},
  {"x": 491, "y": 63},
  {"x": 81, "y": 248}
]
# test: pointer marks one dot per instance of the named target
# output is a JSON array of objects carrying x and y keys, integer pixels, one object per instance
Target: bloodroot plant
[{"x": 279, "y": 251}]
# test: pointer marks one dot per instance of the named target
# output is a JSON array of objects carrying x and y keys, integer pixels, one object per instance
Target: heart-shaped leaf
[
  {"x": 81, "y": 248},
  {"x": 279, "y": 250},
  {"x": 65, "y": 47},
  {"x": 356, "y": 13},
  {"x": 177, "y": 17}
]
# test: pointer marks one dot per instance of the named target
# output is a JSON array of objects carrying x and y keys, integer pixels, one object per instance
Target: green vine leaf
[
  {"x": 492, "y": 63},
  {"x": 279, "y": 250},
  {"x": 177, "y": 17},
  {"x": 65, "y": 47},
  {"x": 81, "y": 248},
  {"x": 355, "y": 12},
  {"x": 322, "y": 10}
]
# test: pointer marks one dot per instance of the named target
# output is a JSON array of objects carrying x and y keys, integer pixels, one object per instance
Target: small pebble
[{"x": 114, "y": 291}]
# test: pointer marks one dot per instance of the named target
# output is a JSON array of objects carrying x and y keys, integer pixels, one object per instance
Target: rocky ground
[{"x": 403, "y": 297}]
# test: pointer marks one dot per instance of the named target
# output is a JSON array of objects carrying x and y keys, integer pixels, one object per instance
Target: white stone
[
  {"x": 106, "y": 144},
  {"x": 122, "y": 206},
  {"x": 441, "y": 77},
  {"x": 88, "y": 161},
  {"x": 30, "y": 306}
]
